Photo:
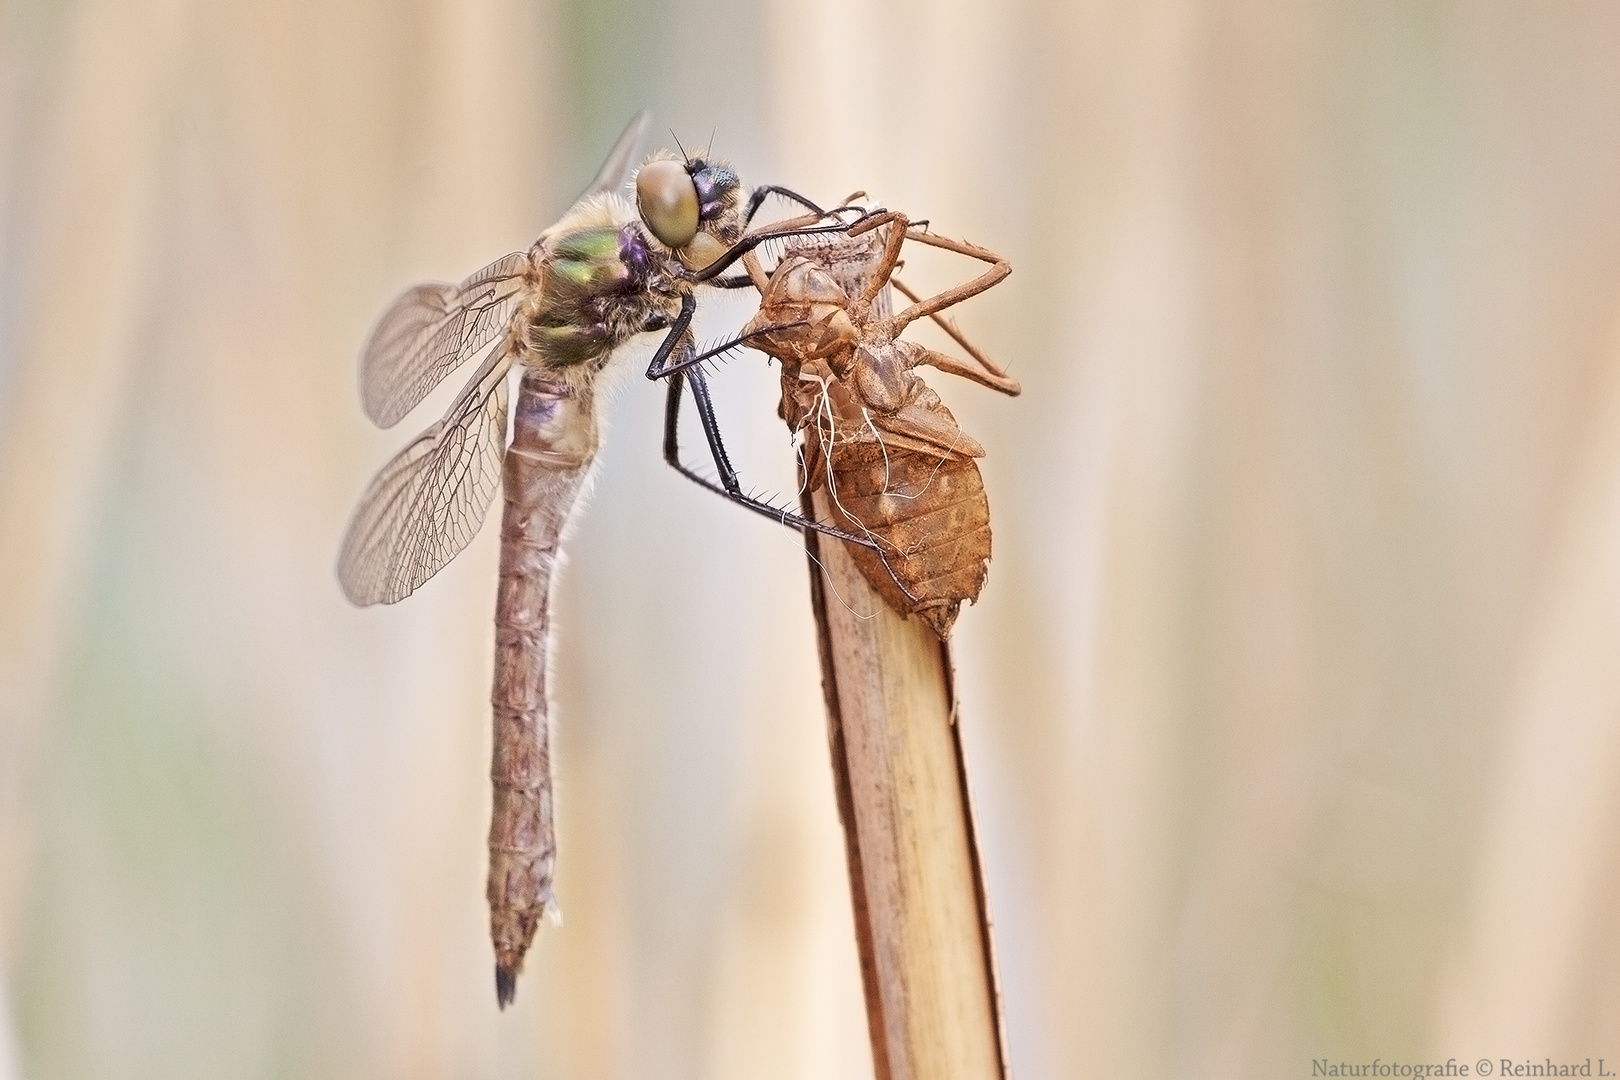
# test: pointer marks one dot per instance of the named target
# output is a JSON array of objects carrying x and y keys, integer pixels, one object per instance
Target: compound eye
[{"x": 668, "y": 202}]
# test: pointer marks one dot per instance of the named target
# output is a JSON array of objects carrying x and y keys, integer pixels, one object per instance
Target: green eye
[{"x": 668, "y": 202}]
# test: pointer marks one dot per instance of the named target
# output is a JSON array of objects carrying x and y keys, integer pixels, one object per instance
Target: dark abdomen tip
[{"x": 505, "y": 985}]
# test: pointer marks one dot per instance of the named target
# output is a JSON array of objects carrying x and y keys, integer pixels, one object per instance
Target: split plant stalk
[{"x": 922, "y": 923}]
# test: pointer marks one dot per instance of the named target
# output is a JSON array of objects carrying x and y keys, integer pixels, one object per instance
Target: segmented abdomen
[
  {"x": 553, "y": 443},
  {"x": 930, "y": 514}
]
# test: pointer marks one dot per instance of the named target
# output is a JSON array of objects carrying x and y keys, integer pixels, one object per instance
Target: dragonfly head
[{"x": 692, "y": 206}]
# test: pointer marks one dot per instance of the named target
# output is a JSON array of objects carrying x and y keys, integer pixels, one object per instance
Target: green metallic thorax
[{"x": 590, "y": 301}]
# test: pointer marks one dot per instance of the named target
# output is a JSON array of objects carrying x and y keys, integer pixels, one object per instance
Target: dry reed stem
[{"x": 922, "y": 924}]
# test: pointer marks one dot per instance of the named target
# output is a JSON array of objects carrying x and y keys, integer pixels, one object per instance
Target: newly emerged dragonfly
[
  {"x": 896, "y": 468},
  {"x": 609, "y": 270}
]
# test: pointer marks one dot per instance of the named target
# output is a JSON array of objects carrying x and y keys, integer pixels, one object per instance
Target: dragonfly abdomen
[{"x": 553, "y": 444}]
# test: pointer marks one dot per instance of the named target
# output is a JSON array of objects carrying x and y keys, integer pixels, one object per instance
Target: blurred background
[{"x": 1293, "y": 701}]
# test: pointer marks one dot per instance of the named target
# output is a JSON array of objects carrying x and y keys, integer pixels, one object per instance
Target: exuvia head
[{"x": 691, "y": 206}]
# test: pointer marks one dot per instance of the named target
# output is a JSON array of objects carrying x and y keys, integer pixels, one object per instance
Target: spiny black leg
[
  {"x": 711, "y": 431},
  {"x": 672, "y": 422},
  {"x": 731, "y": 489},
  {"x": 743, "y": 281},
  {"x": 677, "y": 330},
  {"x": 749, "y": 243},
  {"x": 723, "y": 347},
  {"x": 757, "y": 199},
  {"x": 672, "y": 441}
]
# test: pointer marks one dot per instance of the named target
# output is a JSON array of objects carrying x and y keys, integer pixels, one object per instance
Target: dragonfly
[
  {"x": 897, "y": 469},
  {"x": 614, "y": 267}
]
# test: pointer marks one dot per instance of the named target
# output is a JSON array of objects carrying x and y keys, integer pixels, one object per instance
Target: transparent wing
[
  {"x": 622, "y": 158},
  {"x": 427, "y": 503},
  {"x": 432, "y": 330}
]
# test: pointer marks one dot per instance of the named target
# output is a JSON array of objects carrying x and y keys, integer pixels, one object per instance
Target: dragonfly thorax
[{"x": 599, "y": 284}]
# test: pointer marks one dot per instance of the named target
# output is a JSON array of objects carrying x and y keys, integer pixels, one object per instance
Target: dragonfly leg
[
  {"x": 678, "y": 330},
  {"x": 757, "y": 199},
  {"x": 999, "y": 269},
  {"x": 661, "y": 368},
  {"x": 891, "y": 246},
  {"x": 729, "y": 487},
  {"x": 752, "y": 240},
  {"x": 984, "y": 373}
]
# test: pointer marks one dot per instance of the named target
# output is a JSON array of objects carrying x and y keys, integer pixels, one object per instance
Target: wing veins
[
  {"x": 433, "y": 329},
  {"x": 427, "y": 503}
]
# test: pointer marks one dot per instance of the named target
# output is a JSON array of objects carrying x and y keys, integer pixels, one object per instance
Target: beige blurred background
[{"x": 1294, "y": 698}]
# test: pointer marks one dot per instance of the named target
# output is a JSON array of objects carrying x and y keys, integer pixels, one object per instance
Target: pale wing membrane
[
  {"x": 432, "y": 330},
  {"x": 616, "y": 169},
  {"x": 427, "y": 503}
]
